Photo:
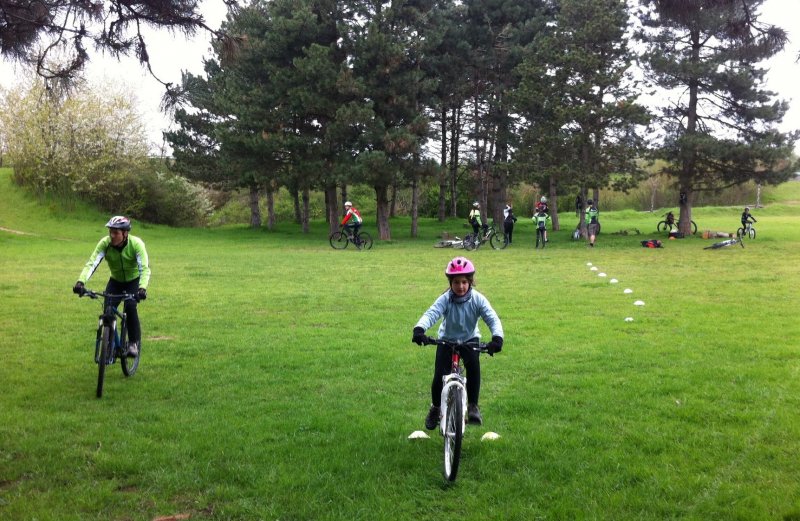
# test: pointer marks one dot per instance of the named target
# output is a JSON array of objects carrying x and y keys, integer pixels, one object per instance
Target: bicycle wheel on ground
[
  {"x": 364, "y": 241},
  {"x": 739, "y": 233},
  {"x": 338, "y": 240},
  {"x": 498, "y": 240},
  {"x": 454, "y": 433},
  {"x": 106, "y": 345},
  {"x": 663, "y": 226},
  {"x": 693, "y": 227},
  {"x": 751, "y": 233}
]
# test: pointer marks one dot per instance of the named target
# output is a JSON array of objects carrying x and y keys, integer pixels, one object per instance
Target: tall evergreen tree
[
  {"x": 721, "y": 122},
  {"x": 578, "y": 101}
]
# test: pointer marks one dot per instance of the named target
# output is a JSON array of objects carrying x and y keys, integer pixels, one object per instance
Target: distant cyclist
[
  {"x": 747, "y": 217},
  {"x": 476, "y": 220},
  {"x": 130, "y": 273},
  {"x": 352, "y": 219},
  {"x": 592, "y": 221}
]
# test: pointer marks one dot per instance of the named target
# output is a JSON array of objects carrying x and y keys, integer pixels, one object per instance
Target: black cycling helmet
[{"x": 119, "y": 222}]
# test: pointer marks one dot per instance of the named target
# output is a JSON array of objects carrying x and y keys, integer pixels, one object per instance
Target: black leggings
[
  {"x": 116, "y": 287},
  {"x": 509, "y": 229},
  {"x": 444, "y": 364}
]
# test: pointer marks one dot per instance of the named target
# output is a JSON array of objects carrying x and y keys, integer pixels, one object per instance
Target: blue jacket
[{"x": 461, "y": 316}]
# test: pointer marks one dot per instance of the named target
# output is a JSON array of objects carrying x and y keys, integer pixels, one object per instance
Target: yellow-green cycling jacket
[{"x": 126, "y": 263}]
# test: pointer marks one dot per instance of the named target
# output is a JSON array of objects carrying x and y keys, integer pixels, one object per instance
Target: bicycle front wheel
[
  {"x": 129, "y": 364},
  {"x": 454, "y": 433},
  {"x": 364, "y": 241},
  {"x": 498, "y": 241},
  {"x": 106, "y": 345},
  {"x": 751, "y": 233},
  {"x": 338, "y": 240}
]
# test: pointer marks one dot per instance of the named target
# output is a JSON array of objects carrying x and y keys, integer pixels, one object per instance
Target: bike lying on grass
[
  {"x": 111, "y": 344},
  {"x": 453, "y": 405},
  {"x": 723, "y": 244}
]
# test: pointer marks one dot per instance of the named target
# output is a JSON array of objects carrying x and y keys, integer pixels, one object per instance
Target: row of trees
[{"x": 323, "y": 94}]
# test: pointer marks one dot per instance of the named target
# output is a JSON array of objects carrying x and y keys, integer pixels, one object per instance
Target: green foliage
[
  {"x": 291, "y": 395},
  {"x": 91, "y": 144}
]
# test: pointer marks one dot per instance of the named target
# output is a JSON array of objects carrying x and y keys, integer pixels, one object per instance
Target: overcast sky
[{"x": 172, "y": 53}]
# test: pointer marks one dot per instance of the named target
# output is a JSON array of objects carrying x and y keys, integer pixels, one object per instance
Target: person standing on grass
[
  {"x": 540, "y": 219},
  {"x": 351, "y": 222},
  {"x": 476, "y": 220},
  {"x": 130, "y": 273},
  {"x": 593, "y": 224},
  {"x": 578, "y": 205},
  {"x": 461, "y": 306},
  {"x": 508, "y": 222}
]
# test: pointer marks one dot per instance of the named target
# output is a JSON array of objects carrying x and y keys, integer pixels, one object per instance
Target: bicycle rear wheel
[
  {"x": 739, "y": 233},
  {"x": 469, "y": 242},
  {"x": 454, "y": 433},
  {"x": 106, "y": 345},
  {"x": 498, "y": 241},
  {"x": 693, "y": 227},
  {"x": 364, "y": 241},
  {"x": 338, "y": 240}
]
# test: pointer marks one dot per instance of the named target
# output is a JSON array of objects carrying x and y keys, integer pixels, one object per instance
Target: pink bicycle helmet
[{"x": 460, "y": 266}]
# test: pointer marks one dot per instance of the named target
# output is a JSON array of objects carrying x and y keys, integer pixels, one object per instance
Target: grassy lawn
[{"x": 278, "y": 380}]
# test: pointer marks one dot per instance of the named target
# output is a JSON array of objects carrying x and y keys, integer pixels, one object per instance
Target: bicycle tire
[
  {"x": 365, "y": 241},
  {"x": 106, "y": 342},
  {"x": 454, "y": 433},
  {"x": 752, "y": 232},
  {"x": 739, "y": 233},
  {"x": 497, "y": 241},
  {"x": 338, "y": 240},
  {"x": 662, "y": 226},
  {"x": 693, "y": 227},
  {"x": 129, "y": 364},
  {"x": 469, "y": 243}
]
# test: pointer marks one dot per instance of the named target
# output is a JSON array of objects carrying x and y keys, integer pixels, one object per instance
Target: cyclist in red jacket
[{"x": 351, "y": 222}]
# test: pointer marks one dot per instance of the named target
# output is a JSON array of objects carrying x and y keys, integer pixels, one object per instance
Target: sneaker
[
  {"x": 474, "y": 414},
  {"x": 433, "y": 417},
  {"x": 133, "y": 350}
]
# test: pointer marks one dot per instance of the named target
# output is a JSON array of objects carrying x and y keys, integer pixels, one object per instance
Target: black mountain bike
[
  {"x": 667, "y": 225},
  {"x": 497, "y": 240},
  {"x": 112, "y": 343},
  {"x": 361, "y": 240}
]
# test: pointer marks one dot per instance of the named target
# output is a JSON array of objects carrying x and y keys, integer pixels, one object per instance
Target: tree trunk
[
  {"x": 255, "y": 211},
  {"x": 553, "y": 203},
  {"x": 306, "y": 209},
  {"x": 332, "y": 207},
  {"x": 443, "y": 170},
  {"x": 393, "y": 201},
  {"x": 414, "y": 207},
  {"x": 270, "y": 208},
  {"x": 296, "y": 200},
  {"x": 382, "y": 209}
]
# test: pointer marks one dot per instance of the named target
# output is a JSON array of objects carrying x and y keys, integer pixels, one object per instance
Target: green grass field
[{"x": 278, "y": 380}]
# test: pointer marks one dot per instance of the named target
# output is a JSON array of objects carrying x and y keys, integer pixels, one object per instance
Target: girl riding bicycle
[{"x": 461, "y": 306}]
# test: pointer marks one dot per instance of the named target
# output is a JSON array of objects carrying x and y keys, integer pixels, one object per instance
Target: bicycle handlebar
[
  {"x": 96, "y": 294},
  {"x": 475, "y": 346}
]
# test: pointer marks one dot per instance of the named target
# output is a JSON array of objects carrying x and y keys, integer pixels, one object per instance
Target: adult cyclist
[
  {"x": 352, "y": 220},
  {"x": 130, "y": 273}
]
